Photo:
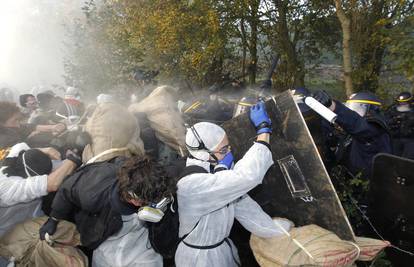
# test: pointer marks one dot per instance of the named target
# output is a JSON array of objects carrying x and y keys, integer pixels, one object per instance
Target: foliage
[
  {"x": 352, "y": 191},
  {"x": 97, "y": 60},
  {"x": 199, "y": 41}
]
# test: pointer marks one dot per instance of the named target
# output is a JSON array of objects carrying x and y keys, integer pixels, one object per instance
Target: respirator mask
[{"x": 154, "y": 212}]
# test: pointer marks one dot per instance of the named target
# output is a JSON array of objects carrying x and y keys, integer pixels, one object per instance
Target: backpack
[{"x": 163, "y": 235}]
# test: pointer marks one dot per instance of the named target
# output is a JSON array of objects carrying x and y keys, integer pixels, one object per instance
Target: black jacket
[
  {"x": 368, "y": 139},
  {"x": 87, "y": 199}
]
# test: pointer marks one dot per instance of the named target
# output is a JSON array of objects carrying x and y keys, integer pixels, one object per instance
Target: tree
[
  {"x": 346, "y": 47},
  {"x": 374, "y": 24},
  {"x": 98, "y": 58}
]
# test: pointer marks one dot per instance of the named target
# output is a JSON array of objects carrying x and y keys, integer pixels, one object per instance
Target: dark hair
[
  {"x": 7, "y": 110},
  {"x": 23, "y": 99},
  {"x": 145, "y": 178},
  {"x": 39, "y": 164}
]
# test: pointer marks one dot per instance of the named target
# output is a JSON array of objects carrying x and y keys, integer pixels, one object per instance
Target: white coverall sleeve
[
  {"x": 204, "y": 193},
  {"x": 14, "y": 190},
  {"x": 255, "y": 220}
]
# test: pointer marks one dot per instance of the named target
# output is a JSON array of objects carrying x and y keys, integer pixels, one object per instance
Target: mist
[{"x": 31, "y": 47}]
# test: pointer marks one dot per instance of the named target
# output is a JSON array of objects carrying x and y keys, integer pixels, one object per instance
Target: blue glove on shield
[
  {"x": 226, "y": 162},
  {"x": 260, "y": 119}
]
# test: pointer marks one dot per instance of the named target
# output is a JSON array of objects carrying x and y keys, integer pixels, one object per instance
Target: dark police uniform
[
  {"x": 369, "y": 137},
  {"x": 402, "y": 131}
]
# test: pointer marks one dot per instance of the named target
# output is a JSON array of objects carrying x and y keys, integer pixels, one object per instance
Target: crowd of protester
[{"x": 114, "y": 202}]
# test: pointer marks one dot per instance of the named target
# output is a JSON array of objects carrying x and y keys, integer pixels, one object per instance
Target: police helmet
[
  {"x": 363, "y": 103},
  {"x": 404, "y": 97}
]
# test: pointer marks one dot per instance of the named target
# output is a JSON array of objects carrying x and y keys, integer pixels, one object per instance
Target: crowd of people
[
  {"x": 116, "y": 203},
  {"x": 113, "y": 202}
]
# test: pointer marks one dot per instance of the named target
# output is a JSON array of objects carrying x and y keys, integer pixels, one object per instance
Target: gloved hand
[
  {"x": 77, "y": 141},
  {"x": 74, "y": 157},
  {"x": 227, "y": 161},
  {"x": 260, "y": 119},
  {"x": 323, "y": 97},
  {"x": 49, "y": 227}
]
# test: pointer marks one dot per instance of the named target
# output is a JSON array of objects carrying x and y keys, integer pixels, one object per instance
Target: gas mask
[{"x": 155, "y": 211}]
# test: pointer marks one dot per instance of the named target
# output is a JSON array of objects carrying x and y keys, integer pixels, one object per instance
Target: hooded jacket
[{"x": 88, "y": 198}]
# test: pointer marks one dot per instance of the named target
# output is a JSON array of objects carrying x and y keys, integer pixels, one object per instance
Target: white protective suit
[
  {"x": 129, "y": 247},
  {"x": 214, "y": 200},
  {"x": 20, "y": 198}
]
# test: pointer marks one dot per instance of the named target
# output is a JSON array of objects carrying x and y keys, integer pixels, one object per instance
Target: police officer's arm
[{"x": 354, "y": 124}]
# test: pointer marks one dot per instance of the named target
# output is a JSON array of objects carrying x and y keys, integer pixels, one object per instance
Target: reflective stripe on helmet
[
  {"x": 405, "y": 100},
  {"x": 245, "y": 104},
  {"x": 193, "y": 106},
  {"x": 364, "y": 102}
]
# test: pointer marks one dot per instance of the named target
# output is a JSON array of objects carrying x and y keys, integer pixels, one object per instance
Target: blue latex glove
[
  {"x": 227, "y": 162},
  {"x": 260, "y": 119}
]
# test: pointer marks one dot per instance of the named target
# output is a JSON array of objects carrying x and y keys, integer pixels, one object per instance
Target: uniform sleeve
[
  {"x": 354, "y": 124},
  {"x": 201, "y": 194},
  {"x": 255, "y": 220},
  {"x": 14, "y": 190}
]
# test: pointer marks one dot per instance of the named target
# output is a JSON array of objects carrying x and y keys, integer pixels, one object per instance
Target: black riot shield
[
  {"x": 297, "y": 186},
  {"x": 392, "y": 195}
]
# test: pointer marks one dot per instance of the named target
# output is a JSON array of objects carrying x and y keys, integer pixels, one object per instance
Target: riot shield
[
  {"x": 392, "y": 195},
  {"x": 297, "y": 186},
  {"x": 392, "y": 187}
]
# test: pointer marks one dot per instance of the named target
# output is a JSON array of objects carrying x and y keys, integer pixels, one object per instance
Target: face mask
[
  {"x": 403, "y": 108},
  {"x": 155, "y": 211}
]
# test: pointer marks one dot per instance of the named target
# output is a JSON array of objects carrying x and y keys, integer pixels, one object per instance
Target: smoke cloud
[{"x": 31, "y": 41}]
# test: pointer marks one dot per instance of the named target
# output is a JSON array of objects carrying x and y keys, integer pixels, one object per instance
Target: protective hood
[{"x": 211, "y": 135}]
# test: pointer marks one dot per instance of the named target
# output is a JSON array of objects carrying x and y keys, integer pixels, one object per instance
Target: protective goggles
[
  {"x": 32, "y": 103},
  {"x": 223, "y": 150}
]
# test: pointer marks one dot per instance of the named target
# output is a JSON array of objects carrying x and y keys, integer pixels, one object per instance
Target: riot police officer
[
  {"x": 400, "y": 117},
  {"x": 365, "y": 130}
]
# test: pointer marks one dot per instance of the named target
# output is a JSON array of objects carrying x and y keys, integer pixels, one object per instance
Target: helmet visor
[{"x": 359, "y": 108}]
